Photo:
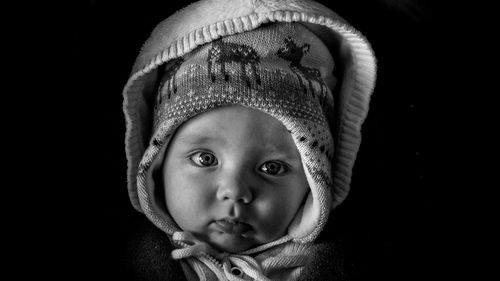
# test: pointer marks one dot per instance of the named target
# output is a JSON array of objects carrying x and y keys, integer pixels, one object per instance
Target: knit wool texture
[
  {"x": 163, "y": 64},
  {"x": 201, "y": 262},
  {"x": 280, "y": 69}
]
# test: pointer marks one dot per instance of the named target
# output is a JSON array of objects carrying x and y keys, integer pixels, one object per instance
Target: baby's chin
[{"x": 231, "y": 243}]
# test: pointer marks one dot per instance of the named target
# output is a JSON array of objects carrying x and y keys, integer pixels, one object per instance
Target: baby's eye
[
  {"x": 273, "y": 168},
  {"x": 205, "y": 159}
]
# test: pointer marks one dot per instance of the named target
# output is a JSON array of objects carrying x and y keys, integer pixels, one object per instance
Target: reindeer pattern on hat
[
  {"x": 225, "y": 58},
  {"x": 293, "y": 52}
]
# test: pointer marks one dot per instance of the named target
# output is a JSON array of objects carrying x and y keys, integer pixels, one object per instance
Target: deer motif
[
  {"x": 226, "y": 52},
  {"x": 168, "y": 84},
  {"x": 294, "y": 53}
]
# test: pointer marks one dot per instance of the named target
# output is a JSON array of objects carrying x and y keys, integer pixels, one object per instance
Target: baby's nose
[{"x": 235, "y": 186}]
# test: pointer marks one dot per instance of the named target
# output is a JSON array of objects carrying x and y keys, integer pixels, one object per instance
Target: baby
[
  {"x": 228, "y": 187},
  {"x": 240, "y": 137}
]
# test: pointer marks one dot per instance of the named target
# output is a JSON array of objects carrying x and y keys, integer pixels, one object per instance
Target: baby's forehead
[
  {"x": 237, "y": 125},
  {"x": 236, "y": 118}
]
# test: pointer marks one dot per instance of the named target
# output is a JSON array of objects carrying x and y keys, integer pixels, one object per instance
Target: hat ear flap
[
  {"x": 152, "y": 195},
  {"x": 138, "y": 111},
  {"x": 355, "y": 71},
  {"x": 145, "y": 109}
]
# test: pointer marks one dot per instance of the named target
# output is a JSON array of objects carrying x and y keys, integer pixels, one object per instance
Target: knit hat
[{"x": 285, "y": 70}]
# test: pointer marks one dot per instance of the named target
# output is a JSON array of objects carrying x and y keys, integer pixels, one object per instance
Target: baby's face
[{"x": 234, "y": 178}]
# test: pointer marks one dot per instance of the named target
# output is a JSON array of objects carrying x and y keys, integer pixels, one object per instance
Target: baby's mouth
[{"x": 234, "y": 227}]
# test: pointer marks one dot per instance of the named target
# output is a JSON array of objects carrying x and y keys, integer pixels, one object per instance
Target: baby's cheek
[
  {"x": 198, "y": 193},
  {"x": 275, "y": 215},
  {"x": 186, "y": 197}
]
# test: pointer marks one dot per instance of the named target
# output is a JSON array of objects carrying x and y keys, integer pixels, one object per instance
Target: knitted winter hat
[
  {"x": 279, "y": 69},
  {"x": 283, "y": 70}
]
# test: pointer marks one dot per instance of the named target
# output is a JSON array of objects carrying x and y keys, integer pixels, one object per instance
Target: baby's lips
[{"x": 233, "y": 227}]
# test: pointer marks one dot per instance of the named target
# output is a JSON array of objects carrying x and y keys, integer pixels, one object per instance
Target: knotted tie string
[{"x": 193, "y": 248}]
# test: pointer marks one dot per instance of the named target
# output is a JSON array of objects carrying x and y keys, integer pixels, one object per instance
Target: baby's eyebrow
[
  {"x": 279, "y": 151},
  {"x": 196, "y": 139}
]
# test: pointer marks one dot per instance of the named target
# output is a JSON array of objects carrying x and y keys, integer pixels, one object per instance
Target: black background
[{"x": 399, "y": 221}]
